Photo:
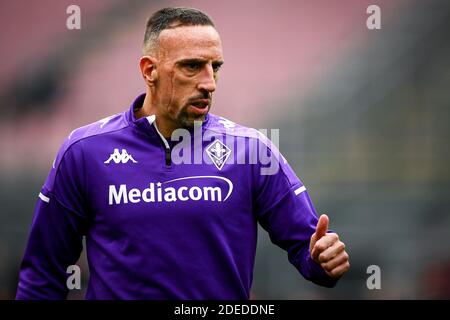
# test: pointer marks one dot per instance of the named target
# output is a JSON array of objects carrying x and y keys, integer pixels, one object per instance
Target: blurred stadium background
[{"x": 364, "y": 119}]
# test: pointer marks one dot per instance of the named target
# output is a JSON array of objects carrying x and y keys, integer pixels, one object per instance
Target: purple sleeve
[
  {"x": 284, "y": 209},
  {"x": 58, "y": 226}
]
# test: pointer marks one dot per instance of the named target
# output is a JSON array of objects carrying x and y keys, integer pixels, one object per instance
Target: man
[{"x": 157, "y": 227}]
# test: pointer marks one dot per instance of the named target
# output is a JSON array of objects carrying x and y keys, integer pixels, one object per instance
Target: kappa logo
[
  {"x": 118, "y": 157},
  {"x": 218, "y": 153}
]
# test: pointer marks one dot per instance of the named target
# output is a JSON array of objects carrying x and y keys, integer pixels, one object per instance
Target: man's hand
[{"x": 327, "y": 250}]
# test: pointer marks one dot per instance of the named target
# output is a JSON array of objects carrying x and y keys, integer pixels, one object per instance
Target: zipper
[{"x": 168, "y": 158}]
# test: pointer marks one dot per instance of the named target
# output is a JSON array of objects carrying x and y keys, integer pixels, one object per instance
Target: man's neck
[{"x": 149, "y": 109}]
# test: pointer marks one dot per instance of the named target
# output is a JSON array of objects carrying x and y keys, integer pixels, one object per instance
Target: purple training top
[{"x": 159, "y": 229}]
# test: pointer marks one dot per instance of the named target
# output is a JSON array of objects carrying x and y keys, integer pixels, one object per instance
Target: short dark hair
[{"x": 172, "y": 17}]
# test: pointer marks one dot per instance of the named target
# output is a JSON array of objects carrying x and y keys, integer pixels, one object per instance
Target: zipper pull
[{"x": 168, "y": 157}]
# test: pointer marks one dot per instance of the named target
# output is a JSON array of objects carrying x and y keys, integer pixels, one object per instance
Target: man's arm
[
  {"x": 55, "y": 240},
  {"x": 285, "y": 210},
  {"x": 290, "y": 223}
]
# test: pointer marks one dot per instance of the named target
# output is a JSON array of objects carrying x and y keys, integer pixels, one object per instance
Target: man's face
[{"x": 189, "y": 59}]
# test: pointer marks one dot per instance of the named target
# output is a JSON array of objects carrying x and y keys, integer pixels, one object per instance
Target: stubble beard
[{"x": 186, "y": 121}]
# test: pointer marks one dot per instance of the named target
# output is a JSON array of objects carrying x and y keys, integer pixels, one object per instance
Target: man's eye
[
  {"x": 216, "y": 67},
  {"x": 192, "y": 66}
]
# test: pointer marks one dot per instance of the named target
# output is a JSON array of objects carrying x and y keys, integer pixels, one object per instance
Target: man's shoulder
[
  {"x": 110, "y": 124},
  {"x": 70, "y": 149},
  {"x": 227, "y": 127}
]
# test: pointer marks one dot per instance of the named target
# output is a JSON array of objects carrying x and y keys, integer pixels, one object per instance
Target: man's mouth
[{"x": 199, "y": 106}]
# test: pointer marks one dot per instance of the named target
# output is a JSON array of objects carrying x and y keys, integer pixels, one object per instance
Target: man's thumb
[{"x": 322, "y": 226}]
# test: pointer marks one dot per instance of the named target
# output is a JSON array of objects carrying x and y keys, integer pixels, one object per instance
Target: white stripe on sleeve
[
  {"x": 44, "y": 198},
  {"x": 300, "y": 190}
]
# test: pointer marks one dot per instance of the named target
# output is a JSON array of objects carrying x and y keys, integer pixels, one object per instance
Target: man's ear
[{"x": 147, "y": 65}]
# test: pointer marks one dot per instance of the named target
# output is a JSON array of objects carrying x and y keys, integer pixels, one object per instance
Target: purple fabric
[{"x": 191, "y": 237}]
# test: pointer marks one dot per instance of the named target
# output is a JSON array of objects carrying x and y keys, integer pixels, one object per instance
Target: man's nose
[{"x": 207, "y": 82}]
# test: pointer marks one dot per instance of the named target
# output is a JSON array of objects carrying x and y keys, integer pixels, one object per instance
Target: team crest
[{"x": 218, "y": 153}]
